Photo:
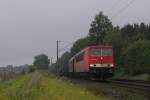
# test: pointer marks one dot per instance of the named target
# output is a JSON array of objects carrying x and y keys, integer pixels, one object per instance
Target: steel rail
[{"x": 142, "y": 85}]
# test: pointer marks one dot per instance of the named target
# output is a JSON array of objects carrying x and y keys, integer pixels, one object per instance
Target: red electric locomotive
[{"x": 93, "y": 61}]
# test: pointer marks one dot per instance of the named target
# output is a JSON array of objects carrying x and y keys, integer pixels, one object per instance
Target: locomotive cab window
[
  {"x": 101, "y": 52},
  {"x": 96, "y": 52},
  {"x": 80, "y": 57},
  {"x": 106, "y": 52}
]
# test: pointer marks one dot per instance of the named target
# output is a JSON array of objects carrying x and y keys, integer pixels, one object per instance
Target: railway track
[
  {"x": 136, "y": 84},
  {"x": 132, "y": 84},
  {"x": 116, "y": 89}
]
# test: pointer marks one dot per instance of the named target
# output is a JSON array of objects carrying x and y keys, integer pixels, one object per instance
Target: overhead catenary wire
[
  {"x": 115, "y": 5},
  {"x": 123, "y": 9},
  {"x": 66, "y": 46},
  {"x": 114, "y": 16}
]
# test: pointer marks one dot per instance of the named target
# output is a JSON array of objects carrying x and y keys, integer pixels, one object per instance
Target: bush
[
  {"x": 137, "y": 57},
  {"x": 41, "y": 61},
  {"x": 32, "y": 68}
]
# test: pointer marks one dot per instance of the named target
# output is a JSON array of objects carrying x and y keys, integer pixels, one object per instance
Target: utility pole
[
  {"x": 51, "y": 60},
  {"x": 57, "y": 66},
  {"x": 57, "y": 50}
]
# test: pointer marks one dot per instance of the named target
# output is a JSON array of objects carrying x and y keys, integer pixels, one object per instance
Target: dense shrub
[
  {"x": 41, "y": 61},
  {"x": 138, "y": 57}
]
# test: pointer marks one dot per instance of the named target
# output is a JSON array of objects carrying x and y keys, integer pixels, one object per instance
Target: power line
[
  {"x": 114, "y": 5},
  {"x": 124, "y": 8},
  {"x": 66, "y": 46}
]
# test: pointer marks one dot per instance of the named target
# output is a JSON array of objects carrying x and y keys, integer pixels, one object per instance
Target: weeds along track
[{"x": 136, "y": 84}]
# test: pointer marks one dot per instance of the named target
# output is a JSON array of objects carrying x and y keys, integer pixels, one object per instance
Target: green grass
[
  {"x": 120, "y": 73},
  {"x": 40, "y": 85},
  {"x": 145, "y": 77}
]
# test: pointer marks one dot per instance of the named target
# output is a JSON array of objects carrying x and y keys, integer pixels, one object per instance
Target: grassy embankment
[
  {"x": 145, "y": 77},
  {"x": 121, "y": 74},
  {"x": 43, "y": 86}
]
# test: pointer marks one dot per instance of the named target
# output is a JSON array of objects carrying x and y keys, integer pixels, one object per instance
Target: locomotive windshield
[{"x": 101, "y": 52}]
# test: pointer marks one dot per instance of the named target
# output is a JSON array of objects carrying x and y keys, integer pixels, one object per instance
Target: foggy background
[{"x": 31, "y": 27}]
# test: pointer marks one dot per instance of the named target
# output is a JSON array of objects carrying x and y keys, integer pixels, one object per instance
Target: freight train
[{"x": 93, "y": 61}]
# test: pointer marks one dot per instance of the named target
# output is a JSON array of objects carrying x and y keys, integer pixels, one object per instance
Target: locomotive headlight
[
  {"x": 111, "y": 65},
  {"x": 91, "y": 65}
]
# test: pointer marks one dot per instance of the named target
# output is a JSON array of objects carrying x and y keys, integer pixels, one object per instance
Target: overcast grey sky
[{"x": 31, "y": 27}]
